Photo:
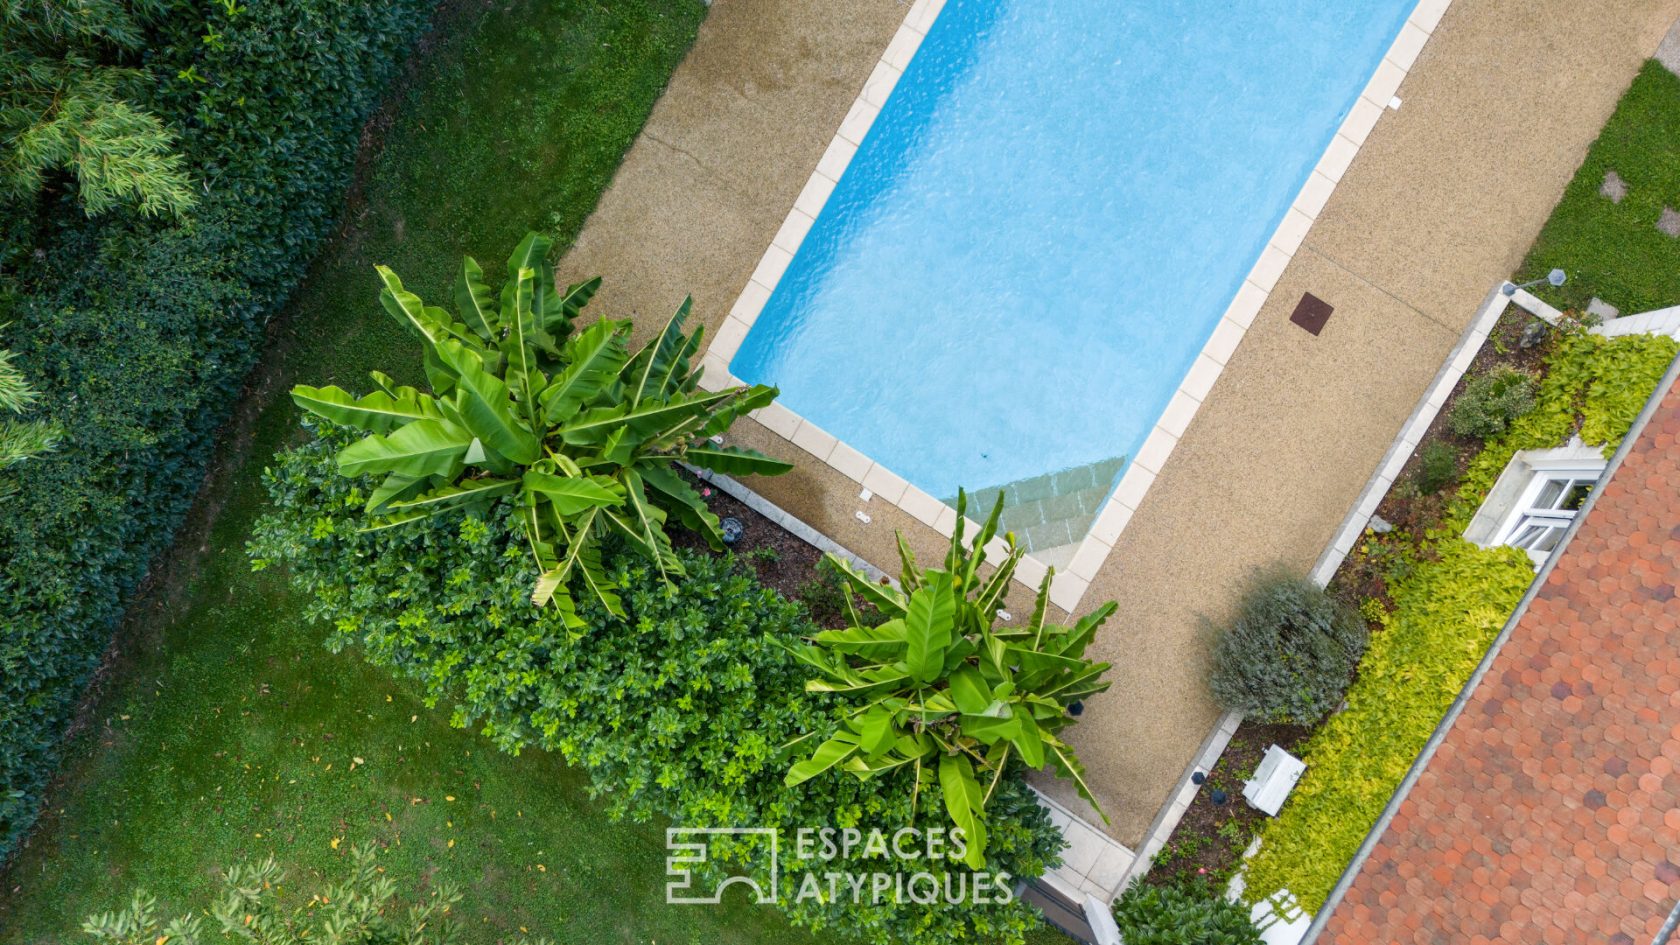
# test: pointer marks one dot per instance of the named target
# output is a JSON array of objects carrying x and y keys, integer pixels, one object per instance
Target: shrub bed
[
  {"x": 1450, "y": 609},
  {"x": 139, "y": 333},
  {"x": 681, "y": 709},
  {"x": 1447, "y": 599}
]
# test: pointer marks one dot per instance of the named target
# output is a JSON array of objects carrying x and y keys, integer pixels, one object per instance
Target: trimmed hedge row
[
  {"x": 1451, "y": 599},
  {"x": 679, "y": 710},
  {"x": 139, "y": 334}
]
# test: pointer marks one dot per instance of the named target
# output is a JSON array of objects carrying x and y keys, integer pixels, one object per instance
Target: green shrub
[
  {"x": 680, "y": 709},
  {"x": 1489, "y": 402},
  {"x": 949, "y": 698},
  {"x": 1182, "y": 914},
  {"x": 1437, "y": 468},
  {"x": 138, "y": 333},
  {"x": 1593, "y": 385},
  {"x": 579, "y": 432},
  {"x": 1290, "y": 652},
  {"x": 1446, "y": 614}
]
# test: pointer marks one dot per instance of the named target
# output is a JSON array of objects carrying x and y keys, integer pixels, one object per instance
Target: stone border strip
[
  {"x": 1166, "y": 821},
  {"x": 877, "y": 480},
  {"x": 1093, "y": 864}
]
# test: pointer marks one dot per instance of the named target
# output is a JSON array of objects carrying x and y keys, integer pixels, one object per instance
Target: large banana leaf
[
  {"x": 676, "y": 495},
  {"x": 519, "y": 345},
  {"x": 422, "y": 448},
  {"x": 666, "y": 356},
  {"x": 927, "y": 630},
  {"x": 475, "y": 301},
  {"x": 559, "y": 314},
  {"x": 593, "y": 359},
  {"x": 378, "y": 412},
  {"x": 734, "y": 461},
  {"x": 571, "y": 495},
  {"x": 964, "y": 804},
  {"x": 482, "y": 400}
]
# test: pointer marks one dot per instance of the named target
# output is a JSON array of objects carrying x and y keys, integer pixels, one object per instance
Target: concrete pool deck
[{"x": 1439, "y": 205}]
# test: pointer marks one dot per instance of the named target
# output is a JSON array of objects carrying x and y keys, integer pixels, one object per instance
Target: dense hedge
[
  {"x": 1450, "y": 600},
  {"x": 678, "y": 710},
  {"x": 139, "y": 334}
]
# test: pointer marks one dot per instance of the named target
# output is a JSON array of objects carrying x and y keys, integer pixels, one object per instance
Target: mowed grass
[
  {"x": 1614, "y": 250},
  {"x": 227, "y": 732}
]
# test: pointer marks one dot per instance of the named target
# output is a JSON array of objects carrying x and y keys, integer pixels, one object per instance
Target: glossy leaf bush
[
  {"x": 679, "y": 708},
  {"x": 1182, "y": 914}
]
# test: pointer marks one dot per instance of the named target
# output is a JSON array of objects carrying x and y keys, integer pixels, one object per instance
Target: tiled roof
[{"x": 1551, "y": 811}]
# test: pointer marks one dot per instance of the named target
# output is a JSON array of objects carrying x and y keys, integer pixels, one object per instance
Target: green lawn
[
  {"x": 1614, "y": 250},
  {"x": 226, "y": 731}
]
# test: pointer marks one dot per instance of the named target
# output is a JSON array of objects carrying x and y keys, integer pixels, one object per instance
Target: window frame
[{"x": 1526, "y": 513}]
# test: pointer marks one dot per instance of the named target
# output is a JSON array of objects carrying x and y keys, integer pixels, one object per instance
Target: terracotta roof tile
[{"x": 1551, "y": 811}]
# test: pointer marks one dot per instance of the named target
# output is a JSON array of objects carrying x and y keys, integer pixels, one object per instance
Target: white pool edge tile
[{"x": 1069, "y": 587}]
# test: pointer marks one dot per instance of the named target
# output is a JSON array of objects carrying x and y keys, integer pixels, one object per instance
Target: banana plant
[
  {"x": 524, "y": 403},
  {"x": 944, "y": 692}
]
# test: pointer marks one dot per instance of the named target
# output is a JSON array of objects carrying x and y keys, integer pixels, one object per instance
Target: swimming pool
[{"x": 1045, "y": 223}]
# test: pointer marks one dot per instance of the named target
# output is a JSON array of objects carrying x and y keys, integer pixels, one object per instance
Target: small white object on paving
[{"x": 1273, "y": 780}]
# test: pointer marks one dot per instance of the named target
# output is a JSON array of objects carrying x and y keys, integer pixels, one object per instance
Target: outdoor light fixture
[
  {"x": 732, "y": 530},
  {"x": 1076, "y": 708},
  {"x": 1554, "y": 279}
]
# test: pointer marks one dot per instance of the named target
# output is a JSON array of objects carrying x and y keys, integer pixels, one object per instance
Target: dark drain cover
[{"x": 1311, "y": 313}]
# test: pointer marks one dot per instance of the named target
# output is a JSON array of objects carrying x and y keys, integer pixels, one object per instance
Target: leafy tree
[
  {"x": 1290, "y": 653},
  {"x": 62, "y": 106},
  {"x": 360, "y": 911},
  {"x": 583, "y": 433},
  {"x": 947, "y": 692},
  {"x": 20, "y": 439}
]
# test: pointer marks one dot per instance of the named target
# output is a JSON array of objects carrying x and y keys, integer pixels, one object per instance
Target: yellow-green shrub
[
  {"x": 1448, "y": 612},
  {"x": 1593, "y": 385},
  {"x": 1448, "y": 607}
]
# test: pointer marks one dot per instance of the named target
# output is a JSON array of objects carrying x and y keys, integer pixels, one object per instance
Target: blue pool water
[{"x": 1047, "y": 220}]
